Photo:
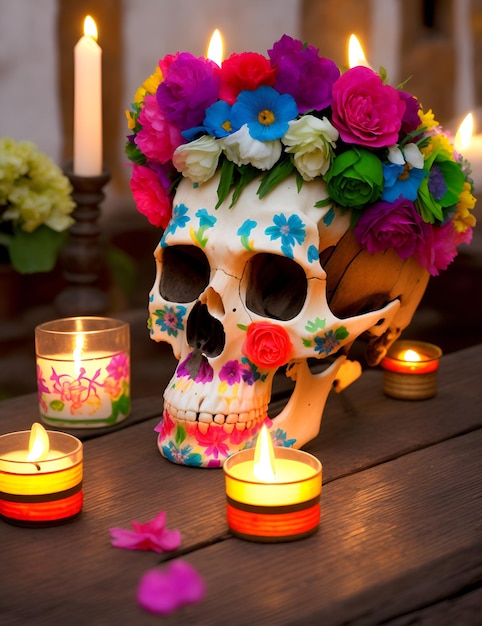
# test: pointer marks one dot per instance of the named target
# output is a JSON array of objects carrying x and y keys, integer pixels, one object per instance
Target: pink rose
[
  {"x": 365, "y": 111},
  {"x": 267, "y": 345},
  {"x": 150, "y": 197},
  {"x": 157, "y": 139}
]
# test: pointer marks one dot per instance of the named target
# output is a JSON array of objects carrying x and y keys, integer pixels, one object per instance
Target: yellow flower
[
  {"x": 150, "y": 86},
  {"x": 131, "y": 122},
  {"x": 438, "y": 141},
  {"x": 427, "y": 119},
  {"x": 462, "y": 218}
]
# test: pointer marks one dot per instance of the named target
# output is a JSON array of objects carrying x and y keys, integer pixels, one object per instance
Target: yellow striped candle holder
[
  {"x": 285, "y": 509},
  {"x": 40, "y": 493}
]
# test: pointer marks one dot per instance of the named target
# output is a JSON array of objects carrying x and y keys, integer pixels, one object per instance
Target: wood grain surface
[{"x": 400, "y": 540}]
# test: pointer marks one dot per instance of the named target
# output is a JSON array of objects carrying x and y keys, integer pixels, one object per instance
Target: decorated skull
[
  {"x": 241, "y": 291},
  {"x": 303, "y": 208}
]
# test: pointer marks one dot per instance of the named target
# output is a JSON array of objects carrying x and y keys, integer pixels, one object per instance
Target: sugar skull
[
  {"x": 303, "y": 207},
  {"x": 245, "y": 290}
]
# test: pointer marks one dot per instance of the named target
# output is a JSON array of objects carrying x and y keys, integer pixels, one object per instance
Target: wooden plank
[{"x": 393, "y": 538}]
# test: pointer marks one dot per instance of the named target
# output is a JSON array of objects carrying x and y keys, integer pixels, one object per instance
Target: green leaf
[
  {"x": 225, "y": 182},
  {"x": 247, "y": 174},
  {"x": 57, "y": 405},
  {"x": 317, "y": 324},
  {"x": 322, "y": 203},
  {"x": 299, "y": 181},
  {"x": 36, "y": 251},
  {"x": 341, "y": 333},
  {"x": 134, "y": 154},
  {"x": 274, "y": 176},
  {"x": 180, "y": 434}
]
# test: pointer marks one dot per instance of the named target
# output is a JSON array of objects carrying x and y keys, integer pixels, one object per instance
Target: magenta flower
[
  {"x": 365, "y": 111},
  {"x": 303, "y": 74},
  {"x": 162, "y": 591},
  {"x": 395, "y": 225},
  {"x": 149, "y": 195},
  {"x": 231, "y": 372},
  {"x": 118, "y": 367},
  {"x": 213, "y": 441},
  {"x": 190, "y": 86},
  {"x": 152, "y": 535},
  {"x": 410, "y": 120},
  {"x": 440, "y": 248},
  {"x": 157, "y": 138}
]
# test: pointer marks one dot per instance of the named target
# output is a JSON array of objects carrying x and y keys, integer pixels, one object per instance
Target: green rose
[{"x": 355, "y": 179}]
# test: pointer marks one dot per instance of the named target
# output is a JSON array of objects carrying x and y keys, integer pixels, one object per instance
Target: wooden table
[{"x": 400, "y": 540}]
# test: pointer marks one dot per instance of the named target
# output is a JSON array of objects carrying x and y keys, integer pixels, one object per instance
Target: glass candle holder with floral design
[{"x": 83, "y": 371}]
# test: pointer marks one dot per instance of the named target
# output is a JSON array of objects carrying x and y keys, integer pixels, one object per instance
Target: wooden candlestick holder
[{"x": 82, "y": 258}]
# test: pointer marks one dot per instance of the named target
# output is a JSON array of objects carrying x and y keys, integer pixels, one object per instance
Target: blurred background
[{"x": 435, "y": 43}]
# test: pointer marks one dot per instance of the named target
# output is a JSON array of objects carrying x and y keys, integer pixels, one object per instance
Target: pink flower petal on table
[
  {"x": 151, "y": 535},
  {"x": 162, "y": 591}
]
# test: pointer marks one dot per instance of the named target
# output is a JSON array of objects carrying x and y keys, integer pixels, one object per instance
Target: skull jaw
[{"x": 202, "y": 444}]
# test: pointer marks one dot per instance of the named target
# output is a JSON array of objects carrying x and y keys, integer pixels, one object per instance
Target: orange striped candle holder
[
  {"x": 286, "y": 508},
  {"x": 410, "y": 370},
  {"x": 42, "y": 492}
]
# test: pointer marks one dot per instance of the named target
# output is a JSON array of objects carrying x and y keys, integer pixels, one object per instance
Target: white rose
[
  {"x": 243, "y": 149},
  {"x": 198, "y": 159},
  {"x": 311, "y": 140}
]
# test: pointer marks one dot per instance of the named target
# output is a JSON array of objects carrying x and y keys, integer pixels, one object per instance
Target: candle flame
[
  {"x": 356, "y": 56},
  {"x": 90, "y": 28},
  {"x": 410, "y": 355},
  {"x": 464, "y": 134},
  {"x": 264, "y": 465},
  {"x": 38, "y": 444},
  {"x": 77, "y": 352},
  {"x": 215, "y": 48}
]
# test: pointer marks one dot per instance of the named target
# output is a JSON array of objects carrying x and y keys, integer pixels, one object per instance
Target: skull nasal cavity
[
  {"x": 205, "y": 333},
  {"x": 275, "y": 286}
]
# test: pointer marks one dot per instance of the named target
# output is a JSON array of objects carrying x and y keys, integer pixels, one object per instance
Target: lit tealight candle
[
  {"x": 88, "y": 103},
  {"x": 273, "y": 494},
  {"x": 40, "y": 477},
  {"x": 83, "y": 371},
  {"x": 410, "y": 370}
]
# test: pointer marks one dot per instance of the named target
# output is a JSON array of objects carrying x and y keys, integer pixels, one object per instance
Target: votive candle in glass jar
[{"x": 83, "y": 371}]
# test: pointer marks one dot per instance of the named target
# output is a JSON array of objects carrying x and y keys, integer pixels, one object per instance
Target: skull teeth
[{"x": 240, "y": 421}]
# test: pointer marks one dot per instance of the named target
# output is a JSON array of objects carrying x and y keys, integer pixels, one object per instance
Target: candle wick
[{"x": 37, "y": 467}]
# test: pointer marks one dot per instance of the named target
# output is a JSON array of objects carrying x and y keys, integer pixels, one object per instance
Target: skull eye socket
[
  {"x": 185, "y": 273},
  {"x": 275, "y": 286}
]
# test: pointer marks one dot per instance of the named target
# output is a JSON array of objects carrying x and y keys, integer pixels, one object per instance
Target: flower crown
[{"x": 380, "y": 155}]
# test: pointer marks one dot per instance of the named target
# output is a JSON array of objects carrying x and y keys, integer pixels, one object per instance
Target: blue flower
[
  {"x": 246, "y": 227},
  {"x": 326, "y": 344},
  {"x": 170, "y": 320},
  {"x": 401, "y": 180},
  {"x": 313, "y": 254},
  {"x": 179, "y": 219},
  {"x": 182, "y": 456},
  {"x": 218, "y": 121},
  {"x": 279, "y": 437},
  {"x": 265, "y": 111},
  {"x": 290, "y": 231},
  {"x": 205, "y": 220}
]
